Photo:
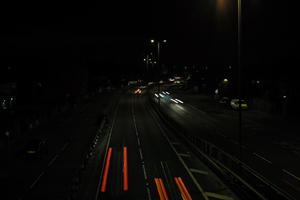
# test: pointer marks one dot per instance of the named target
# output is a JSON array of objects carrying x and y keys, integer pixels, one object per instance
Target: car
[
  {"x": 224, "y": 100},
  {"x": 143, "y": 87},
  {"x": 138, "y": 91},
  {"x": 234, "y": 103},
  {"x": 35, "y": 148}
]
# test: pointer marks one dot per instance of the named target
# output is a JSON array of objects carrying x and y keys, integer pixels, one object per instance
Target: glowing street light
[{"x": 158, "y": 57}]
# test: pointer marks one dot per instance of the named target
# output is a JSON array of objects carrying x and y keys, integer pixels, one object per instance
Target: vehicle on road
[
  {"x": 138, "y": 91},
  {"x": 234, "y": 103},
  {"x": 224, "y": 100}
]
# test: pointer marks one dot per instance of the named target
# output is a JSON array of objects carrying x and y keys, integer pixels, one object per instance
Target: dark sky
[{"x": 116, "y": 33}]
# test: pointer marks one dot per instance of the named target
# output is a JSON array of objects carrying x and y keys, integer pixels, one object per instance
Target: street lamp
[
  {"x": 239, "y": 7},
  {"x": 158, "y": 59}
]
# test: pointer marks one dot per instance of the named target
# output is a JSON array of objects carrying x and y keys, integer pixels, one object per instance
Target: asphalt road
[
  {"x": 269, "y": 145},
  {"x": 153, "y": 154}
]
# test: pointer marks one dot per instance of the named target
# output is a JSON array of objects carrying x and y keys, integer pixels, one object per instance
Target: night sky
[{"x": 112, "y": 37}]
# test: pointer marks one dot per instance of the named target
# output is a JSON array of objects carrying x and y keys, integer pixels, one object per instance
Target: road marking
[
  {"x": 165, "y": 175},
  {"x": 184, "y": 155},
  {"x": 138, "y": 141},
  {"x": 65, "y": 146},
  {"x": 106, "y": 148},
  {"x": 104, "y": 180},
  {"x": 199, "y": 171},
  {"x": 144, "y": 171},
  {"x": 182, "y": 162},
  {"x": 52, "y": 161},
  {"x": 37, "y": 179},
  {"x": 259, "y": 156},
  {"x": 292, "y": 175},
  {"x": 148, "y": 192},
  {"x": 141, "y": 154},
  {"x": 125, "y": 169},
  {"x": 218, "y": 196},
  {"x": 175, "y": 143}
]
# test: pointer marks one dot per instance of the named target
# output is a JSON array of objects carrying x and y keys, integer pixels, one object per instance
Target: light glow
[
  {"x": 179, "y": 100},
  {"x": 174, "y": 100}
]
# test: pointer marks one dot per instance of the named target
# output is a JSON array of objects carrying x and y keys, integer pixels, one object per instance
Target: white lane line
[
  {"x": 261, "y": 157},
  {"x": 199, "y": 171},
  {"x": 218, "y": 196},
  {"x": 144, "y": 171},
  {"x": 138, "y": 141},
  {"x": 148, "y": 192},
  {"x": 65, "y": 146},
  {"x": 52, "y": 160},
  {"x": 175, "y": 143},
  {"x": 141, "y": 154},
  {"x": 106, "y": 148},
  {"x": 36, "y": 180},
  {"x": 182, "y": 162},
  {"x": 184, "y": 155},
  {"x": 292, "y": 175}
]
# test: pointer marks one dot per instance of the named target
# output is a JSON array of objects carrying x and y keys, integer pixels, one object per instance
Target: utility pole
[
  {"x": 159, "y": 70},
  {"x": 240, "y": 77},
  {"x": 158, "y": 64}
]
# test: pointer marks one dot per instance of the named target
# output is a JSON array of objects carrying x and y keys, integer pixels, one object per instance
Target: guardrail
[
  {"x": 75, "y": 184},
  {"x": 242, "y": 179}
]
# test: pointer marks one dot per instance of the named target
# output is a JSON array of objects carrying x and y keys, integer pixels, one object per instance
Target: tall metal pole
[
  {"x": 240, "y": 76},
  {"x": 158, "y": 66}
]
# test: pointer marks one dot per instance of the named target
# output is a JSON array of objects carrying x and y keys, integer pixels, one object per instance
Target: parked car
[
  {"x": 234, "y": 103},
  {"x": 35, "y": 148}
]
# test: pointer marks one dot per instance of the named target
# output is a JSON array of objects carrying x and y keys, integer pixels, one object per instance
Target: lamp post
[
  {"x": 239, "y": 38},
  {"x": 158, "y": 62}
]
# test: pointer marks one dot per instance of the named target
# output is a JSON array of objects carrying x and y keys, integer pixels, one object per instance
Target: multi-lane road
[
  {"x": 144, "y": 160},
  {"x": 137, "y": 155}
]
